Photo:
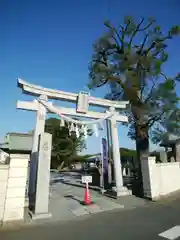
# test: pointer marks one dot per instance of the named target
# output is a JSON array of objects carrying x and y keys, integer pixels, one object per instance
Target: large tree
[
  {"x": 129, "y": 58},
  {"x": 65, "y": 147}
]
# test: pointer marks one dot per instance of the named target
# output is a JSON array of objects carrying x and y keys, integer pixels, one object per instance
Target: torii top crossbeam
[{"x": 36, "y": 90}]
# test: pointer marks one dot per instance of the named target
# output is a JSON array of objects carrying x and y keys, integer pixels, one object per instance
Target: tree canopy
[{"x": 130, "y": 58}]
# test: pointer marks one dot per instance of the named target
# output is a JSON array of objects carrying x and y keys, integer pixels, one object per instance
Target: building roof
[
  {"x": 17, "y": 142},
  {"x": 19, "y": 134},
  {"x": 169, "y": 140}
]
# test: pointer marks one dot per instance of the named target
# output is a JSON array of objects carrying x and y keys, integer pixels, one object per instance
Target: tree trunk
[
  {"x": 61, "y": 166},
  {"x": 142, "y": 143},
  {"x": 142, "y": 149}
]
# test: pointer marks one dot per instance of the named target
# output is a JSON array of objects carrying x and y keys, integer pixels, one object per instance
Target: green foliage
[
  {"x": 126, "y": 152},
  {"x": 65, "y": 147},
  {"x": 130, "y": 58},
  {"x": 81, "y": 158}
]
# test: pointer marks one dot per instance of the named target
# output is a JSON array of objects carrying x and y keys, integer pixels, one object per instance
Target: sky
[{"x": 49, "y": 43}]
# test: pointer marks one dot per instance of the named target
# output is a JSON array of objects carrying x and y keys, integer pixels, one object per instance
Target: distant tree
[
  {"x": 129, "y": 58},
  {"x": 31, "y": 132},
  {"x": 65, "y": 147},
  {"x": 81, "y": 158},
  {"x": 126, "y": 152}
]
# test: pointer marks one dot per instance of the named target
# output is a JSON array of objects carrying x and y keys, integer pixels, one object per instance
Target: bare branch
[
  {"x": 99, "y": 61},
  {"x": 154, "y": 119},
  {"x": 152, "y": 88},
  {"x": 150, "y": 93},
  {"x": 143, "y": 43},
  {"x": 117, "y": 43},
  {"x": 117, "y": 79},
  {"x": 102, "y": 84},
  {"x": 135, "y": 32},
  {"x": 166, "y": 78},
  {"x": 138, "y": 64},
  {"x": 146, "y": 27},
  {"x": 153, "y": 44},
  {"x": 123, "y": 34},
  {"x": 127, "y": 25},
  {"x": 120, "y": 39}
]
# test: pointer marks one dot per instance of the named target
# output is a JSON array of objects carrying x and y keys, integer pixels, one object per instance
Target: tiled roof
[{"x": 18, "y": 141}]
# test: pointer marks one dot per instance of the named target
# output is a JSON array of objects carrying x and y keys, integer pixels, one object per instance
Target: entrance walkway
[{"x": 67, "y": 193}]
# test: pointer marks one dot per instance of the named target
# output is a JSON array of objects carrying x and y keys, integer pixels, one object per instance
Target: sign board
[
  {"x": 82, "y": 104},
  {"x": 86, "y": 179}
]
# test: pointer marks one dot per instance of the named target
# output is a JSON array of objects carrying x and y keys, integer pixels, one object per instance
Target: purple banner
[{"x": 105, "y": 155}]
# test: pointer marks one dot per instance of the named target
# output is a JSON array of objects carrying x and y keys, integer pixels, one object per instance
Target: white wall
[
  {"x": 160, "y": 179},
  {"x": 16, "y": 186},
  {"x": 4, "y": 169}
]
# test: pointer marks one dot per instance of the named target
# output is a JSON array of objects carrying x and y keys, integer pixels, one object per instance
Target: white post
[
  {"x": 41, "y": 208},
  {"x": 39, "y": 128},
  {"x": 120, "y": 190}
]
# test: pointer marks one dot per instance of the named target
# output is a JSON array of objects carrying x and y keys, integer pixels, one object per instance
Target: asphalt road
[{"x": 142, "y": 223}]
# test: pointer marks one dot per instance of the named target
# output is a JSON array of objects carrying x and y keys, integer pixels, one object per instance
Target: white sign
[
  {"x": 82, "y": 104},
  {"x": 86, "y": 179}
]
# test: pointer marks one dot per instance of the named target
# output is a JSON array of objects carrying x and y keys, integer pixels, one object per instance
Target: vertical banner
[
  {"x": 109, "y": 144},
  {"x": 105, "y": 162}
]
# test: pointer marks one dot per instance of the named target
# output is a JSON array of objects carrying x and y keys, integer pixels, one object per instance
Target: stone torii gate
[{"x": 41, "y": 109}]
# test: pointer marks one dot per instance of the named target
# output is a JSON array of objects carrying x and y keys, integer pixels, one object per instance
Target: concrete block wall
[
  {"x": 149, "y": 174},
  {"x": 160, "y": 179},
  {"x": 169, "y": 177},
  {"x": 16, "y": 188},
  {"x": 4, "y": 169}
]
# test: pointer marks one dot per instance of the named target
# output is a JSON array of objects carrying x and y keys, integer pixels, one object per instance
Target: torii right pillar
[{"x": 120, "y": 190}]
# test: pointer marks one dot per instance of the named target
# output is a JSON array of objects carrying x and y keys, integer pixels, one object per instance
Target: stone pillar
[
  {"x": 39, "y": 128},
  {"x": 41, "y": 208},
  {"x": 120, "y": 190}
]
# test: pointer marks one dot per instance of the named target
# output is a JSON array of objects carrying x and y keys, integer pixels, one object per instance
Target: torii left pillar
[{"x": 39, "y": 129}]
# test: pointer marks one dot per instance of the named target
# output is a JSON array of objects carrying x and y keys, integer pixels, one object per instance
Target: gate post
[
  {"x": 41, "y": 206},
  {"x": 120, "y": 189},
  {"x": 39, "y": 128}
]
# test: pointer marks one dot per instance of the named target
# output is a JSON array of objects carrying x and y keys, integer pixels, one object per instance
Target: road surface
[{"x": 143, "y": 223}]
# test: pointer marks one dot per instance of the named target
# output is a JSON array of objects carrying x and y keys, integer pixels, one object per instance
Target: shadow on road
[{"x": 74, "y": 198}]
